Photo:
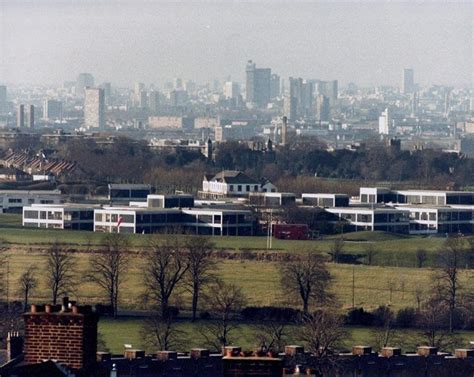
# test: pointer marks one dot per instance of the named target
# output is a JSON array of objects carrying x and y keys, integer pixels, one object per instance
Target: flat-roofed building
[
  {"x": 204, "y": 221},
  {"x": 426, "y": 219},
  {"x": 60, "y": 216},
  {"x": 175, "y": 122},
  {"x": 325, "y": 200},
  {"x": 170, "y": 201},
  {"x": 272, "y": 199},
  {"x": 371, "y": 219},
  {"x": 435, "y": 197},
  {"x": 128, "y": 191},
  {"x": 372, "y": 195},
  {"x": 15, "y": 200},
  {"x": 206, "y": 122}
]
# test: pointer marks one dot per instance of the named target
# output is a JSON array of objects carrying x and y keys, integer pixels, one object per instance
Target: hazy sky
[{"x": 122, "y": 42}]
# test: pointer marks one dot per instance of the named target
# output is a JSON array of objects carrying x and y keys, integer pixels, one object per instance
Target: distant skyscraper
[
  {"x": 296, "y": 93},
  {"x": 3, "y": 98},
  {"x": 408, "y": 84},
  {"x": 303, "y": 92},
  {"x": 275, "y": 87},
  {"x": 323, "y": 108},
  {"x": 385, "y": 123},
  {"x": 83, "y": 81},
  {"x": 328, "y": 89},
  {"x": 154, "y": 102},
  {"x": 190, "y": 87},
  {"x": 138, "y": 88},
  {"x": 258, "y": 85},
  {"x": 143, "y": 99},
  {"x": 52, "y": 109},
  {"x": 231, "y": 90},
  {"x": 94, "y": 109},
  {"x": 289, "y": 108},
  {"x": 178, "y": 98},
  {"x": 177, "y": 83},
  {"x": 414, "y": 105},
  {"x": 107, "y": 86},
  {"x": 20, "y": 116},
  {"x": 447, "y": 103},
  {"x": 31, "y": 116}
]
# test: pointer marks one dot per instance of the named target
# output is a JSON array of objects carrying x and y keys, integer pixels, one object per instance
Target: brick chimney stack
[{"x": 65, "y": 333}]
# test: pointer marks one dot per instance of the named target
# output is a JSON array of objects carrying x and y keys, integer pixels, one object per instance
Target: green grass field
[
  {"x": 116, "y": 333},
  {"x": 390, "y": 249},
  {"x": 259, "y": 280},
  {"x": 392, "y": 280}
]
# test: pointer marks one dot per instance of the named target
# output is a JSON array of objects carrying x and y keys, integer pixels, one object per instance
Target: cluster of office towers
[
  {"x": 307, "y": 98},
  {"x": 304, "y": 99}
]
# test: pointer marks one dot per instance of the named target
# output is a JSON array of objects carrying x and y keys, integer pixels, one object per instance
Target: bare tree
[
  {"x": 434, "y": 325},
  {"x": 60, "y": 271},
  {"x": 384, "y": 333},
  {"x": 200, "y": 268},
  {"x": 323, "y": 332},
  {"x": 308, "y": 278},
  {"x": 224, "y": 302},
  {"x": 27, "y": 282},
  {"x": 272, "y": 335},
  {"x": 447, "y": 276},
  {"x": 107, "y": 267},
  {"x": 161, "y": 333},
  {"x": 337, "y": 249},
  {"x": 421, "y": 257},
  {"x": 165, "y": 269},
  {"x": 419, "y": 294}
]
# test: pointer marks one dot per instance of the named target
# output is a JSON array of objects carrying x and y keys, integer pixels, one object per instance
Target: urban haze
[{"x": 236, "y": 188}]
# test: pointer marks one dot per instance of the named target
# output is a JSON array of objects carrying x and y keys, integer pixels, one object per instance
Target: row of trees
[
  {"x": 134, "y": 161},
  {"x": 169, "y": 264}
]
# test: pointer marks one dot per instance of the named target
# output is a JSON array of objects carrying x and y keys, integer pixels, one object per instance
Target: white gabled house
[{"x": 233, "y": 183}]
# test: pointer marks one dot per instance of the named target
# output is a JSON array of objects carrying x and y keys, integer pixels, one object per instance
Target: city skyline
[{"x": 369, "y": 44}]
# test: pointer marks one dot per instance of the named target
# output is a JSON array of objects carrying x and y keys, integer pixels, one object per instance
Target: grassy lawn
[
  {"x": 259, "y": 280},
  {"x": 390, "y": 249},
  {"x": 127, "y": 331}
]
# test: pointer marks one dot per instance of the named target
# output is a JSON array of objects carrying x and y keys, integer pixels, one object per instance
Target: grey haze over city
[{"x": 366, "y": 43}]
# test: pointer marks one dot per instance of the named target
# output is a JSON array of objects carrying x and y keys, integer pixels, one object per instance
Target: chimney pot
[
  {"x": 47, "y": 308},
  {"x": 166, "y": 355},
  {"x": 462, "y": 353},
  {"x": 103, "y": 356},
  {"x": 33, "y": 308},
  {"x": 199, "y": 353},
  {"x": 361, "y": 350},
  {"x": 427, "y": 351},
  {"x": 231, "y": 351},
  {"x": 65, "y": 305},
  {"x": 390, "y": 351},
  {"x": 132, "y": 354},
  {"x": 293, "y": 350}
]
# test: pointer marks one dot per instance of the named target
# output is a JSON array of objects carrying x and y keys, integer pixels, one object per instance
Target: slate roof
[{"x": 231, "y": 176}]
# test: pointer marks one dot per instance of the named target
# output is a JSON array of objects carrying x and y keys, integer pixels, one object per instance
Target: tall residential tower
[
  {"x": 258, "y": 85},
  {"x": 408, "y": 84},
  {"x": 94, "y": 109}
]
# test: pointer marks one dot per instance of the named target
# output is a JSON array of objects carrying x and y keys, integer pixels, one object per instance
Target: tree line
[{"x": 126, "y": 160}]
